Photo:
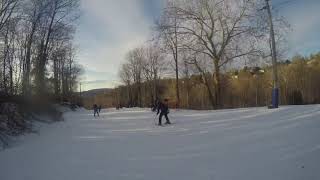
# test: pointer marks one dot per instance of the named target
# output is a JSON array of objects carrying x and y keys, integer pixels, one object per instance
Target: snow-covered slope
[{"x": 240, "y": 144}]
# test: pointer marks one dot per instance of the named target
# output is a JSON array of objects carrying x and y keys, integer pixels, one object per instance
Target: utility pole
[{"x": 275, "y": 90}]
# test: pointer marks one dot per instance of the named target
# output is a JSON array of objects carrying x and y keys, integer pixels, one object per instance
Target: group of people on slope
[{"x": 162, "y": 108}]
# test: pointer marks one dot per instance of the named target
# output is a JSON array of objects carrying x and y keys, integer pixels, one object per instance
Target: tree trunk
[
  {"x": 6, "y": 54},
  {"x": 70, "y": 77},
  {"x": 211, "y": 97},
  {"x": 177, "y": 65},
  {"x": 177, "y": 82},
  {"x": 40, "y": 67},
  {"x": 188, "y": 92},
  {"x": 11, "y": 76},
  {"x": 56, "y": 77},
  {"x": 27, "y": 70},
  {"x": 187, "y": 77},
  {"x": 129, "y": 102},
  {"x": 140, "y": 94},
  {"x": 176, "y": 62},
  {"x": 217, "y": 84},
  {"x": 44, "y": 53},
  {"x": 155, "y": 86},
  {"x": 4, "y": 75}
]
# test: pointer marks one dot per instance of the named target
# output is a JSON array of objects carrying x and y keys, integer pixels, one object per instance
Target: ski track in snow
[{"x": 238, "y": 144}]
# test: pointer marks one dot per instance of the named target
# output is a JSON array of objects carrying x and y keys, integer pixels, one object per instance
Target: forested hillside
[
  {"x": 245, "y": 87},
  {"x": 38, "y": 61}
]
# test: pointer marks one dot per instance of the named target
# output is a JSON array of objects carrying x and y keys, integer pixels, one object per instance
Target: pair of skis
[{"x": 162, "y": 125}]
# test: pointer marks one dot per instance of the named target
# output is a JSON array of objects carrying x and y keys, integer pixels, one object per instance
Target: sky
[{"x": 108, "y": 29}]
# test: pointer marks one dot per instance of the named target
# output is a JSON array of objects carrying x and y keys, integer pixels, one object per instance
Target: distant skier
[
  {"x": 163, "y": 110},
  {"x": 95, "y": 110}
]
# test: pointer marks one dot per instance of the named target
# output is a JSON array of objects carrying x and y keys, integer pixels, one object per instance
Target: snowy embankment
[{"x": 240, "y": 144}]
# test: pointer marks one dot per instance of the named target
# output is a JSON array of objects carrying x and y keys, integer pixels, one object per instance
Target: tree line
[
  {"x": 37, "y": 53},
  {"x": 212, "y": 54},
  {"x": 38, "y": 64}
]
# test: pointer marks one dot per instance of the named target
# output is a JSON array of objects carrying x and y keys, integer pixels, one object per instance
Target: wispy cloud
[
  {"x": 108, "y": 29},
  {"x": 303, "y": 16}
]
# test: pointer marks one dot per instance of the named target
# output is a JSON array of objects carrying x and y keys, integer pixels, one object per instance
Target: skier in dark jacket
[
  {"x": 163, "y": 109},
  {"x": 95, "y": 110}
]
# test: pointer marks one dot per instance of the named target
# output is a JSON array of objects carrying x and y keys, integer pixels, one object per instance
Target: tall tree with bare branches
[
  {"x": 223, "y": 30},
  {"x": 58, "y": 13},
  {"x": 168, "y": 31}
]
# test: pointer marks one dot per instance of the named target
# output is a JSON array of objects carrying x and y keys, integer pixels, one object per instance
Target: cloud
[
  {"x": 96, "y": 79},
  {"x": 110, "y": 28},
  {"x": 304, "y": 19},
  {"x": 107, "y": 31},
  {"x": 92, "y": 75},
  {"x": 97, "y": 84}
]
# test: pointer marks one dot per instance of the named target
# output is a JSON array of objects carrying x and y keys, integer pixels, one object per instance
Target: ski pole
[{"x": 154, "y": 120}]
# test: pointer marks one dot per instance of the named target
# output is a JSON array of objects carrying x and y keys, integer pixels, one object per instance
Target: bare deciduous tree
[
  {"x": 168, "y": 31},
  {"x": 59, "y": 12},
  {"x": 223, "y": 30}
]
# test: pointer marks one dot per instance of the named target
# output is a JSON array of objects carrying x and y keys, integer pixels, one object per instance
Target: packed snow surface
[{"x": 240, "y": 144}]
